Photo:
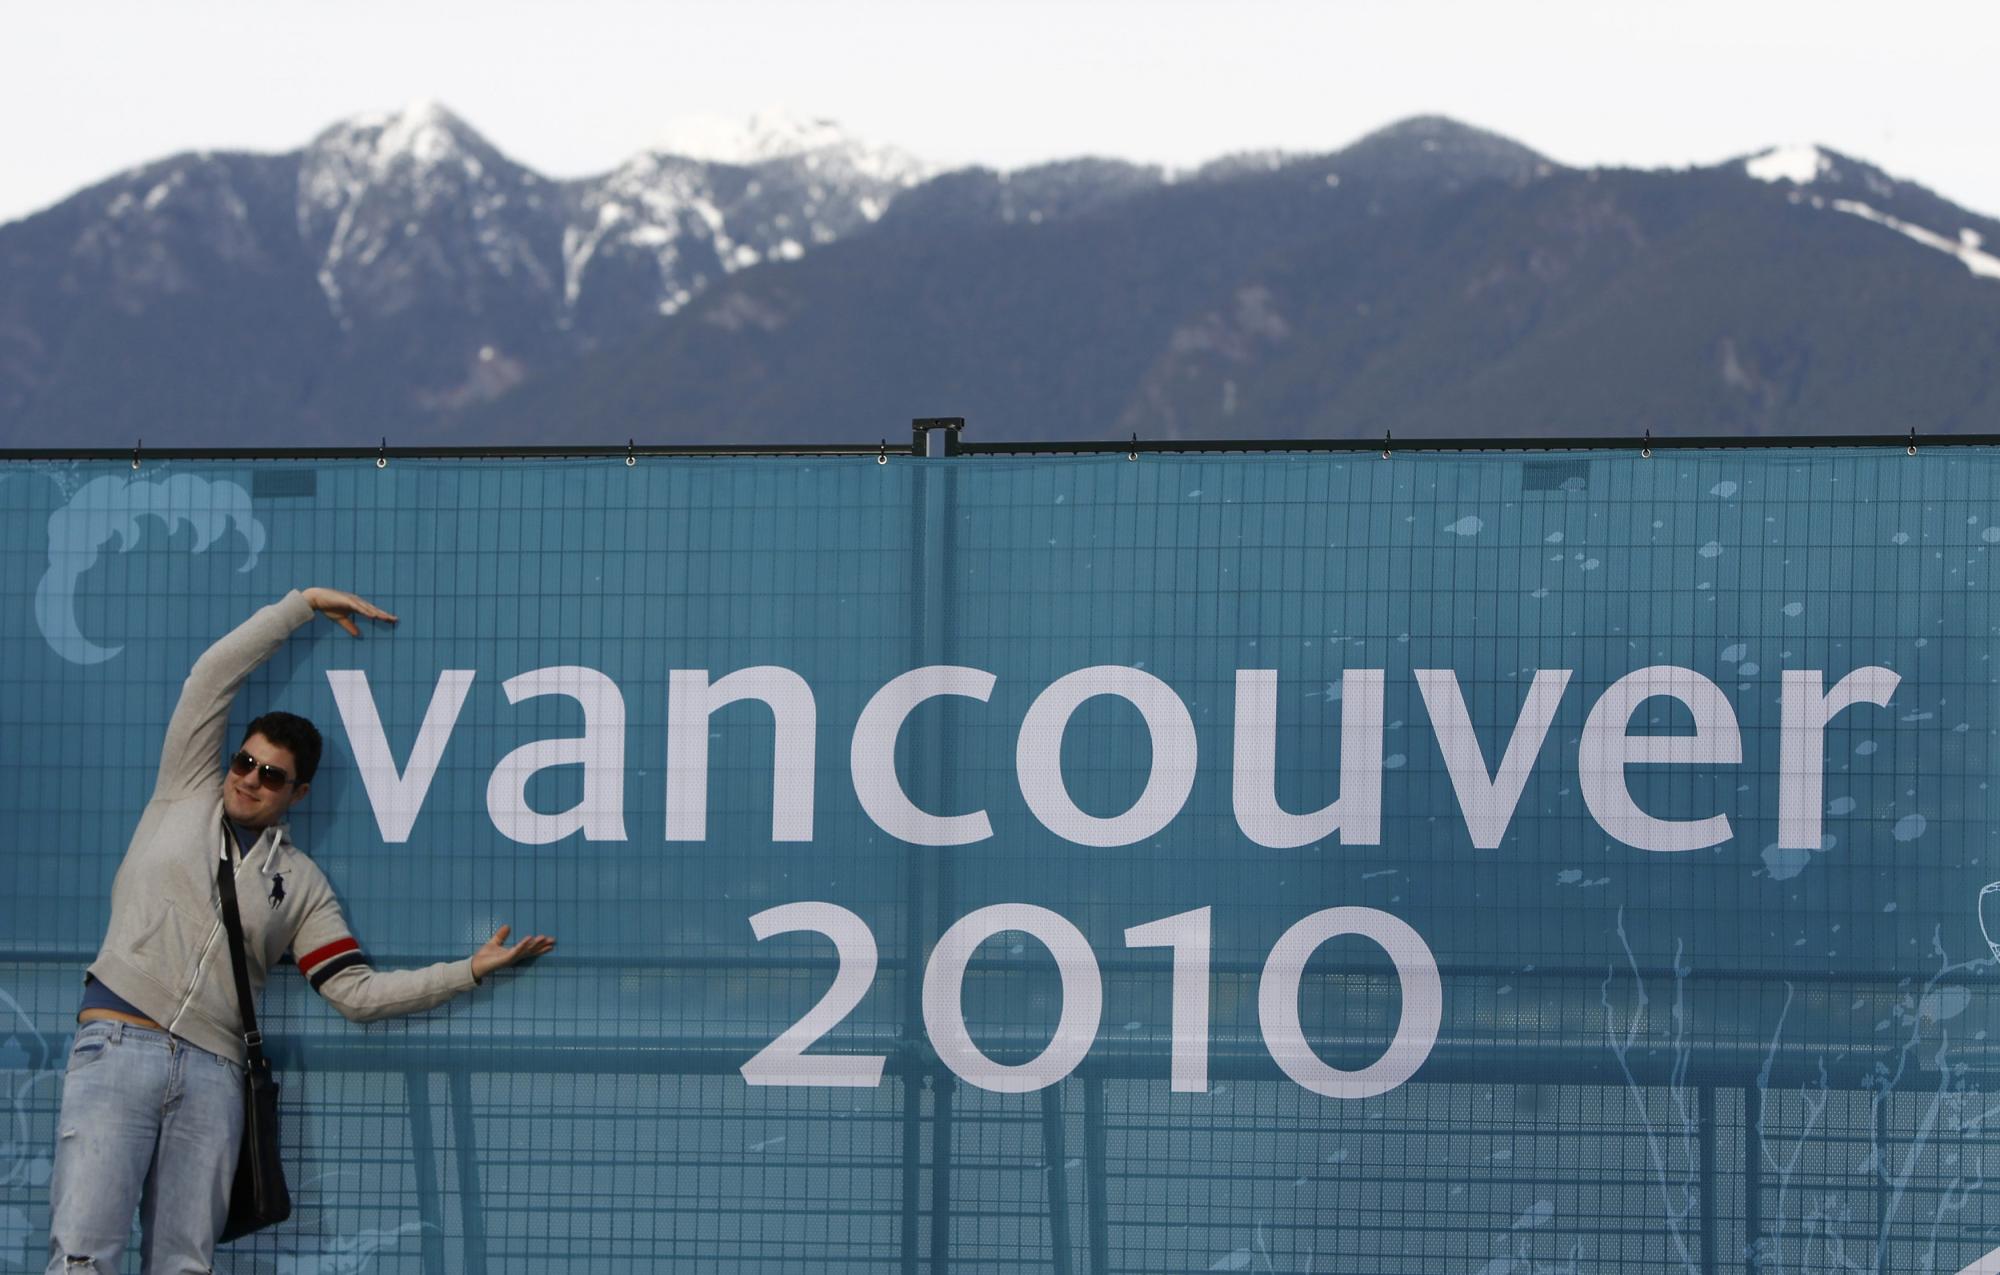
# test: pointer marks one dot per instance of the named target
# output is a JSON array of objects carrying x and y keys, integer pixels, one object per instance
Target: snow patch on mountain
[
  {"x": 414, "y": 145},
  {"x": 414, "y": 203},
  {"x": 425, "y": 133},
  {"x": 1966, "y": 247},
  {"x": 1800, "y": 165},
  {"x": 786, "y": 186},
  {"x": 769, "y": 134},
  {"x": 777, "y": 133},
  {"x": 650, "y": 205}
]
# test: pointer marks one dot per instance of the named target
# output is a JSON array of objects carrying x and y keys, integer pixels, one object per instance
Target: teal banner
[{"x": 1498, "y": 863}]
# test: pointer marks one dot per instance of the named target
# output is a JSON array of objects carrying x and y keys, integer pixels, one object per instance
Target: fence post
[
  {"x": 1055, "y": 1174},
  {"x": 1705, "y": 1116},
  {"x": 1753, "y": 1179},
  {"x": 423, "y": 1164},
  {"x": 913, "y": 1100},
  {"x": 471, "y": 1204},
  {"x": 941, "y": 1087},
  {"x": 1095, "y": 1205},
  {"x": 1883, "y": 1171},
  {"x": 935, "y": 523}
]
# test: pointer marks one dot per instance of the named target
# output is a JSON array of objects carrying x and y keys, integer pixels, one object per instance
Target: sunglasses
[{"x": 270, "y": 776}]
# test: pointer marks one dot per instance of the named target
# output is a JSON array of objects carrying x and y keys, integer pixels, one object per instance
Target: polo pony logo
[{"x": 277, "y": 888}]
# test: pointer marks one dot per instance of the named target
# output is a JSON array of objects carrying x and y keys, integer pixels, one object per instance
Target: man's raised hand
[
  {"x": 495, "y": 954},
  {"x": 341, "y": 608}
]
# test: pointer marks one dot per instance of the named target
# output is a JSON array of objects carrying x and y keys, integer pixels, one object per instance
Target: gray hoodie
[{"x": 165, "y": 950}]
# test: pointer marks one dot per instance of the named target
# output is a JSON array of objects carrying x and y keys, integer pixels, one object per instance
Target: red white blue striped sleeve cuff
[{"x": 322, "y": 963}]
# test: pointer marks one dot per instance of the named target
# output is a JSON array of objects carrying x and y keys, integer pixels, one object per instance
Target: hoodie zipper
[{"x": 201, "y": 962}]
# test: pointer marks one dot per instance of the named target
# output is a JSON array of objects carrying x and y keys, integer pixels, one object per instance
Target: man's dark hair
[{"x": 295, "y": 734}]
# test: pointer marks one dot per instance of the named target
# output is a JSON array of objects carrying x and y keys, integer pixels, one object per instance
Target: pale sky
[{"x": 573, "y": 88}]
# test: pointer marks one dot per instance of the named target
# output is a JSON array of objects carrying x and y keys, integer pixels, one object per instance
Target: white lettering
[
  {"x": 600, "y": 750},
  {"x": 1488, "y": 796},
  {"x": 1357, "y": 812},
  {"x": 944, "y": 998},
  {"x": 785, "y": 1061},
  {"x": 872, "y": 757},
  {"x": 1802, "y": 750},
  {"x": 1488, "y": 803},
  {"x": 1416, "y": 1030},
  {"x": 1607, "y": 749},
  {"x": 1190, "y": 934},
  {"x": 396, "y": 797},
  {"x": 691, "y": 699},
  {"x": 1038, "y": 755}
]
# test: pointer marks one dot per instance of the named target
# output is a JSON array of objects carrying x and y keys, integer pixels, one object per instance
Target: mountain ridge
[{"x": 400, "y": 274}]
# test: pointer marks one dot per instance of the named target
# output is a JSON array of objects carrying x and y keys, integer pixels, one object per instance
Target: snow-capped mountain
[
  {"x": 400, "y": 276},
  {"x": 688, "y": 221},
  {"x": 380, "y": 196},
  {"x": 435, "y": 261},
  {"x": 397, "y": 209},
  {"x": 1430, "y": 279}
]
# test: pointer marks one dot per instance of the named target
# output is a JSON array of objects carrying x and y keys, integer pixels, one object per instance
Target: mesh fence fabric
[{"x": 1041, "y": 686}]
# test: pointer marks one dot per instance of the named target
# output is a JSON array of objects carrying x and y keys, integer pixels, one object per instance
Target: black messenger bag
[{"x": 258, "y": 1198}]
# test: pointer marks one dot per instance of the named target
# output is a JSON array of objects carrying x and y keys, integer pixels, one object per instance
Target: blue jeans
[{"x": 149, "y": 1124}]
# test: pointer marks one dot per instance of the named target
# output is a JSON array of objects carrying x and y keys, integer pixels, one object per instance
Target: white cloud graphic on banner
[{"x": 109, "y": 509}]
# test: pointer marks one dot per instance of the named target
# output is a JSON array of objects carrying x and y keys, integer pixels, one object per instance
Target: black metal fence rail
[{"x": 948, "y": 433}]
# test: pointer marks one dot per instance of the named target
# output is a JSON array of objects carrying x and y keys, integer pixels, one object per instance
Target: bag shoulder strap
[{"x": 225, "y": 884}]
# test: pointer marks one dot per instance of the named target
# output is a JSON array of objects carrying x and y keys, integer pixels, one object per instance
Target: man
[{"x": 152, "y": 1109}]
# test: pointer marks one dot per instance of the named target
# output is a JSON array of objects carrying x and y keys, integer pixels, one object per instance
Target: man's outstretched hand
[
  {"x": 495, "y": 954},
  {"x": 341, "y": 608}
]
